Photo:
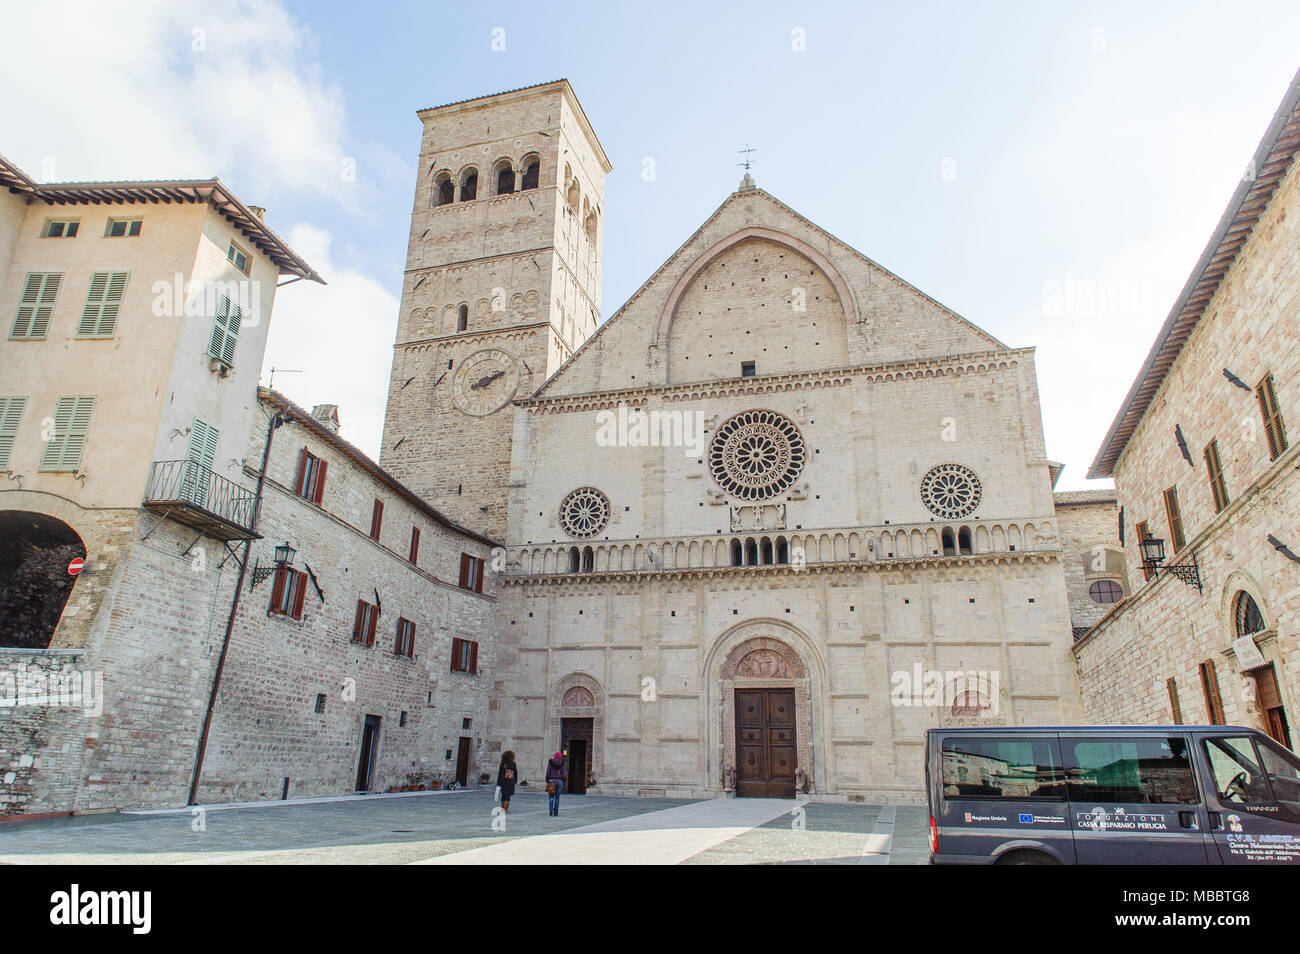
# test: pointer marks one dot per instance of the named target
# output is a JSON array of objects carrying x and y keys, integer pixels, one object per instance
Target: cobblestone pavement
[{"x": 456, "y": 827}]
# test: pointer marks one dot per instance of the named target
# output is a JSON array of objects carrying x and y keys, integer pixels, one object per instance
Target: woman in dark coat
[
  {"x": 557, "y": 776},
  {"x": 507, "y": 775}
]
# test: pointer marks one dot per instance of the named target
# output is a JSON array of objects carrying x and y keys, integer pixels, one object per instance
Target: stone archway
[
  {"x": 577, "y": 699},
  {"x": 759, "y": 656},
  {"x": 34, "y": 580}
]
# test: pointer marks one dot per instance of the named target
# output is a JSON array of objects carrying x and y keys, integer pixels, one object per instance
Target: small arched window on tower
[
  {"x": 590, "y": 226},
  {"x": 532, "y": 167},
  {"x": 444, "y": 190},
  {"x": 505, "y": 178},
  {"x": 469, "y": 184},
  {"x": 462, "y": 318},
  {"x": 575, "y": 195}
]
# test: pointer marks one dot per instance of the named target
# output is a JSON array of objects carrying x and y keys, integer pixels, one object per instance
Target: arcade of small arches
[
  {"x": 768, "y": 549},
  {"x": 507, "y": 178}
]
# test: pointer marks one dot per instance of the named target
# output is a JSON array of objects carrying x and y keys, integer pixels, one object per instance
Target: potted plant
[{"x": 484, "y": 778}]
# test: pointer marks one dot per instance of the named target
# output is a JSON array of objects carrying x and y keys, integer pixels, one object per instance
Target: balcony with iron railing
[{"x": 190, "y": 493}]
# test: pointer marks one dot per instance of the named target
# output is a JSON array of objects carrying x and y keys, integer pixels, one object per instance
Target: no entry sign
[{"x": 75, "y": 566}]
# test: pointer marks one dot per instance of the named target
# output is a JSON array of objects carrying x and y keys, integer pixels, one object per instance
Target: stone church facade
[{"x": 740, "y": 519}]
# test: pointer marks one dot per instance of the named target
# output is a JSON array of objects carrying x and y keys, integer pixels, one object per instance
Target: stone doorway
[{"x": 766, "y": 720}]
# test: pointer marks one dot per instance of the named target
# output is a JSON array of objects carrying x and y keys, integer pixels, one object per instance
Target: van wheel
[{"x": 1027, "y": 858}]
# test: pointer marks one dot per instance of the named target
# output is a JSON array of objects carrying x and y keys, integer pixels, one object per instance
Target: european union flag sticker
[{"x": 1026, "y": 819}]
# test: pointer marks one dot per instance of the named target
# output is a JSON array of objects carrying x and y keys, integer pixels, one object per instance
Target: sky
[{"x": 1051, "y": 172}]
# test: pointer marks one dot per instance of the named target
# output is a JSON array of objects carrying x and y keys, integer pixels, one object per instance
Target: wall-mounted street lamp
[
  {"x": 284, "y": 555},
  {"x": 1153, "y": 554}
]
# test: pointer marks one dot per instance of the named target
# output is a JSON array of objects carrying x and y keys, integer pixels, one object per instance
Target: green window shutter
[
  {"x": 99, "y": 317},
  {"x": 199, "y": 460},
  {"x": 225, "y": 331},
  {"x": 11, "y": 412},
  {"x": 36, "y": 305},
  {"x": 71, "y": 425}
]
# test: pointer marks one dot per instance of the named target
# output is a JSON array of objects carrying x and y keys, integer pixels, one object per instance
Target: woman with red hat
[{"x": 556, "y": 777}]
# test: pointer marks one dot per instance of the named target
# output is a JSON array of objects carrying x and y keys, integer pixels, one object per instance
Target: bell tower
[{"x": 502, "y": 285}]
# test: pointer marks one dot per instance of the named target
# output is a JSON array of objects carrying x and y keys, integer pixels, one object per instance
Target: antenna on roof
[
  {"x": 271, "y": 384},
  {"x": 746, "y": 162}
]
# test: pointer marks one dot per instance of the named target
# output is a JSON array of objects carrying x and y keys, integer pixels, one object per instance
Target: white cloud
[
  {"x": 173, "y": 90},
  {"x": 339, "y": 336}
]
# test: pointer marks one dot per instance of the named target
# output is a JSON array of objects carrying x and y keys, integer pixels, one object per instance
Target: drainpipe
[{"x": 276, "y": 420}]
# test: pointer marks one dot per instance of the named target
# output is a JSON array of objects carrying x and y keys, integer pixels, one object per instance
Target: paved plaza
[{"x": 457, "y": 828}]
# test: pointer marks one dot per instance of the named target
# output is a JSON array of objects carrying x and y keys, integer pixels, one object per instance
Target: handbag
[{"x": 550, "y": 788}]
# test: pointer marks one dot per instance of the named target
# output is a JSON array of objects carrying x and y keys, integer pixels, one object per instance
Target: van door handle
[
  {"x": 1216, "y": 821},
  {"x": 1187, "y": 820}
]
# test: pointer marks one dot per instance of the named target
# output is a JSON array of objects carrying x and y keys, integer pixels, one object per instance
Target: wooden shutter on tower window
[
  {"x": 415, "y": 544},
  {"x": 473, "y": 657},
  {"x": 300, "y": 595},
  {"x": 464, "y": 571},
  {"x": 376, "y": 519},
  {"x": 319, "y": 493},
  {"x": 1175, "y": 516},
  {"x": 1274, "y": 427},
  {"x": 1174, "y": 708},
  {"x": 374, "y": 621},
  {"x": 1213, "y": 701},
  {"x": 455, "y": 654},
  {"x": 356, "y": 624}
]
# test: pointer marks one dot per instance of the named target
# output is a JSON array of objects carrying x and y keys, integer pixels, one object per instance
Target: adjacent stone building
[{"x": 1204, "y": 457}]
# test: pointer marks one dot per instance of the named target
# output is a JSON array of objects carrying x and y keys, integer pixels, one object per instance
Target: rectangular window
[
  {"x": 1147, "y": 771},
  {"x": 471, "y": 573},
  {"x": 238, "y": 257},
  {"x": 61, "y": 228},
  {"x": 1274, "y": 428},
  {"x": 405, "y": 638},
  {"x": 311, "y": 477},
  {"x": 376, "y": 519},
  {"x": 363, "y": 629},
  {"x": 415, "y": 544},
  {"x": 68, "y": 433},
  {"x": 748, "y": 369},
  {"x": 1214, "y": 470},
  {"x": 118, "y": 228},
  {"x": 11, "y": 413},
  {"x": 1210, "y": 686},
  {"x": 320, "y": 702},
  {"x": 288, "y": 592},
  {"x": 988, "y": 768},
  {"x": 1176, "y": 710},
  {"x": 1175, "y": 516},
  {"x": 36, "y": 305},
  {"x": 464, "y": 655},
  {"x": 1143, "y": 534},
  {"x": 103, "y": 300},
  {"x": 225, "y": 331}
]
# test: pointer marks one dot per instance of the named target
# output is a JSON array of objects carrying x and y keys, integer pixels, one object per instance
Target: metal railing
[{"x": 188, "y": 483}]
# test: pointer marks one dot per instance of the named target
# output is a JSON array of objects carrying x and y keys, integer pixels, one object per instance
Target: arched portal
[
  {"x": 577, "y": 728},
  {"x": 764, "y": 723},
  {"x": 34, "y": 580}
]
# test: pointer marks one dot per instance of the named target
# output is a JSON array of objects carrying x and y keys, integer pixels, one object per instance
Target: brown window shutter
[
  {"x": 464, "y": 571},
  {"x": 455, "y": 654},
  {"x": 277, "y": 590},
  {"x": 319, "y": 493},
  {"x": 374, "y": 621},
  {"x": 356, "y": 624},
  {"x": 1213, "y": 701},
  {"x": 302, "y": 473},
  {"x": 473, "y": 657},
  {"x": 300, "y": 595},
  {"x": 410, "y": 639},
  {"x": 397, "y": 640},
  {"x": 478, "y": 575},
  {"x": 1174, "y": 708},
  {"x": 415, "y": 544},
  {"x": 377, "y": 519}
]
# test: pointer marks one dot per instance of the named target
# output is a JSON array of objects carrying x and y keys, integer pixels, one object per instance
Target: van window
[
  {"x": 1237, "y": 776},
  {"x": 987, "y": 768},
  {"x": 1284, "y": 774},
  {"x": 1154, "y": 771}
]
